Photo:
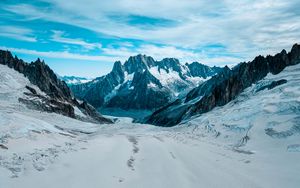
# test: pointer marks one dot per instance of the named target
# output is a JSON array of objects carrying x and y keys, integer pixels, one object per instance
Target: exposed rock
[
  {"x": 272, "y": 85},
  {"x": 59, "y": 98},
  {"x": 204, "y": 70},
  {"x": 224, "y": 87},
  {"x": 3, "y": 147},
  {"x": 49, "y": 105},
  {"x": 32, "y": 90},
  {"x": 143, "y": 83},
  {"x": 90, "y": 111},
  {"x": 140, "y": 96}
]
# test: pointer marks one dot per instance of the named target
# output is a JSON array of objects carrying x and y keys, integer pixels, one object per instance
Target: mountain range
[
  {"x": 224, "y": 87},
  {"x": 175, "y": 92},
  {"x": 238, "y": 120},
  {"x": 143, "y": 83}
]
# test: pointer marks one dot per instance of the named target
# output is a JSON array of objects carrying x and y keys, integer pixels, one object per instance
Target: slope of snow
[
  {"x": 166, "y": 78},
  {"x": 251, "y": 142},
  {"x": 128, "y": 77},
  {"x": 270, "y": 115},
  {"x": 174, "y": 82},
  {"x": 112, "y": 93}
]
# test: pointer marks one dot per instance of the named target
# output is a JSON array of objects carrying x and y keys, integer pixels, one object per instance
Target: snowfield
[{"x": 253, "y": 141}]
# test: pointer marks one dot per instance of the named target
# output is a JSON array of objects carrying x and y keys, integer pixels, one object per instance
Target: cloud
[
  {"x": 58, "y": 37},
  {"x": 18, "y": 33},
  {"x": 246, "y": 28},
  {"x": 59, "y": 55},
  {"x": 186, "y": 55},
  {"x": 160, "y": 52},
  {"x": 122, "y": 54}
]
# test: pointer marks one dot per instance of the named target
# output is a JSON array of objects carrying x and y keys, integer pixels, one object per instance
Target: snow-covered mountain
[
  {"x": 143, "y": 83},
  {"x": 251, "y": 142},
  {"x": 73, "y": 80},
  {"x": 52, "y": 95},
  {"x": 224, "y": 87}
]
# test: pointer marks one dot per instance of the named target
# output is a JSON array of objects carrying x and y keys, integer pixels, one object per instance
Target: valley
[{"x": 222, "y": 148}]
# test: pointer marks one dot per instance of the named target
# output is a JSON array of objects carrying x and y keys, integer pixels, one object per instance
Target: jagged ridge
[
  {"x": 59, "y": 98},
  {"x": 223, "y": 88},
  {"x": 143, "y": 83}
]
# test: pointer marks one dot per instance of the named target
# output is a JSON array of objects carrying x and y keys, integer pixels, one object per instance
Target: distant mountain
[
  {"x": 205, "y": 71},
  {"x": 143, "y": 83},
  {"x": 224, "y": 87},
  {"x": 48, "y": 93},
  {"x": 73, "y": 80}
]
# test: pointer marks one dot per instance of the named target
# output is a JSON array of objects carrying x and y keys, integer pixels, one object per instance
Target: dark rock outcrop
[
  {"x": 272, "y": 85},
  {"x": 140, "y": 96},
  {"x": 204, "y": 70},
  {"x": 223, "y": 88},
  {"x": 59, "y": 98}
]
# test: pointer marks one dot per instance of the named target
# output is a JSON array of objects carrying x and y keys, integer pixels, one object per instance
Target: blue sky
[{"x": 85, "y": 37}]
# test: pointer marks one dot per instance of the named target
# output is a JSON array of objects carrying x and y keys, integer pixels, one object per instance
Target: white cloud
[
  {"x": 122, "y": 54},
  {"x": 59, "y": 55},
  {"x": 58, "y": 36},
  {"x": 18, "y": 33},
  {"x": 160, "y": 52},
  {"x": 247, "y": 28}
]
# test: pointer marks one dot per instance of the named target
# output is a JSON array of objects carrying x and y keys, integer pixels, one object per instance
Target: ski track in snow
[{"x": 251, "y": 142}]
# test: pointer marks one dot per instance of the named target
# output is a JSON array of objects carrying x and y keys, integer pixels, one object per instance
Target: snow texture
[{"x": 251, "y": 142}]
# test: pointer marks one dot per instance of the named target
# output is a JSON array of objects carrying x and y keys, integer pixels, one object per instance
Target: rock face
[
  {"x": 203, "y": 70},
  {"x": 143, "y": 83},
  {"x": 272, "y": 85},
  {"x": 224, "y": 87},
  {"x": 59, "y": 98}
]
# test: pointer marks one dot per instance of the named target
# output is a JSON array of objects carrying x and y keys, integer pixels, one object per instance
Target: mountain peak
[
  {"x": 138, "y": 63},
  {"x": 223, "y": 88},
  {"x": 197, "y": 68},
  {"x": 169, "y": 62},
  {"x": 141, "y": 83},
  {"x": 117, "y": 67},
  {"x": 57, "y": 96}
]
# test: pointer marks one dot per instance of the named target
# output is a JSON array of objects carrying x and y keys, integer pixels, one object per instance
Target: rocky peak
[
  {"x": 118, "y": 67},
  {"x": 139, "y": 76},
  {"x": 118, "y": 72},
  {"x": 59, "y": 98},
  {"x": 295, "y": 54},
  {"x": 39, "y": 74},
  {"x": 172, "y": 63},
  {"x": 138, "y": 63},
  {"x": 142, "y": 79},
  {"x": 224, "y": 87},
  {"x": 169, "y": 63},
  {"x": 205, "y": 71}
]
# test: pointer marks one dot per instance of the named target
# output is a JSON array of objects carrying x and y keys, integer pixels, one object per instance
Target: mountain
[
  {"x": 143, "y": 83},
  {"x": 224, "y": 87},
  {"x": 47, "y": 92},
  {"x": 205, "y": 71},
  {"x": 73, "y": 80},
  {"x": 257, "y": 130}
]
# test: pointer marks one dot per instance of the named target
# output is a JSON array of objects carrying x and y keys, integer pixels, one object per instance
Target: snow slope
[{"x": 50, "y": 150}]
